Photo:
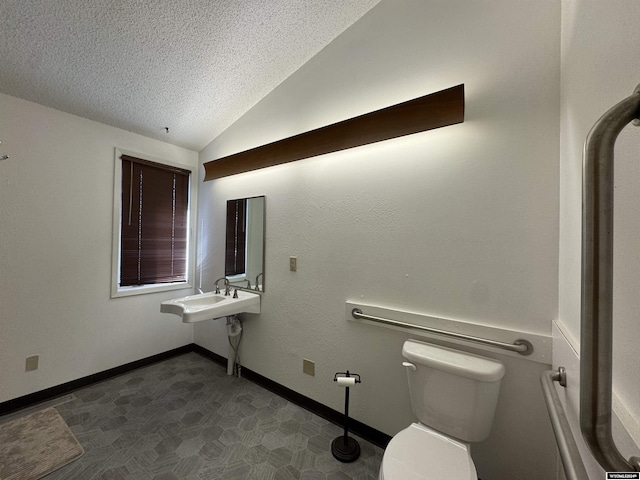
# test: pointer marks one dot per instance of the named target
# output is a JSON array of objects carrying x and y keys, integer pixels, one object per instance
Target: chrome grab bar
[
  {"x": 596, "y": 331},
  {"x": 569, "y": 453},
  {"x": 521, "y": 346}
]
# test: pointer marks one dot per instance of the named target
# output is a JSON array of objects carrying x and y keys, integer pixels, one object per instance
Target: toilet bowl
[
  {"x": 420, "y": 453},
  {"x": 454, "y": 396}
]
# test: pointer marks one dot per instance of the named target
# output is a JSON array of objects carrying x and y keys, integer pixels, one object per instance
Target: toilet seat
[{"x": 419, "y": 453}]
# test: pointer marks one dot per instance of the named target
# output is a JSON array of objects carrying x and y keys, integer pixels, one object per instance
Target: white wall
[
  {"x": 600, "y": 68},
  {"x": 56, "y": 202},
  {"x": 460, "y": 222}
]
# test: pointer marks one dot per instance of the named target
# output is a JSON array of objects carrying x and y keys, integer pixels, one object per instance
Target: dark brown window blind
[
  {"x": 155, "y": 212},
  {"x": 236, "y": 244}
]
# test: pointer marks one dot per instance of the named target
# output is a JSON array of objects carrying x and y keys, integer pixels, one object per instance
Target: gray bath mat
[{"x": 36, "y": 445}]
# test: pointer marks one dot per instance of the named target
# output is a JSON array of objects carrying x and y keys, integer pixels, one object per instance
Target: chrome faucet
[
  {"x": 226, "y": 285},
  {"x": 258, "y": 284}
]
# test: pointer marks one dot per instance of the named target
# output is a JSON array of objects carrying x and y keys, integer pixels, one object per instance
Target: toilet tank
[{"x": 452, "y": 391}]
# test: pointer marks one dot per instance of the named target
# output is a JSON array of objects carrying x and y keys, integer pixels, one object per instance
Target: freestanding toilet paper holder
[{"x": 344, "y": 448}]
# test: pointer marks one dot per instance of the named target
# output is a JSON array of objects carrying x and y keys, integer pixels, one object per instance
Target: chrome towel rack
[
  {"x": 521, "y": 346},
  {"x": 596, "y": 331},
  {"x": 569, "y": 453}
]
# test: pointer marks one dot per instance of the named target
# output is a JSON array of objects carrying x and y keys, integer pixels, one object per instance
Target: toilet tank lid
[{"x": 453, "y": 361}]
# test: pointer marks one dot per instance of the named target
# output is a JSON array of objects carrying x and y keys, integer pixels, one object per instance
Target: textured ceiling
[{"x": 194, "y": 66}]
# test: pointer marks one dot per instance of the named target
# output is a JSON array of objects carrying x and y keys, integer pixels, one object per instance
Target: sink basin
[{"x": 205, "y": 306}]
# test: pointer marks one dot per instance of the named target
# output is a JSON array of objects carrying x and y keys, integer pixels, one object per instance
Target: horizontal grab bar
[
  {"x": 571, "y": 459},
  {"x": 521, "y": 346}
]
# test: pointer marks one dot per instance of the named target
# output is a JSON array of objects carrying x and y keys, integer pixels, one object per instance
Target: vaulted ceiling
[{"x": 192, "y": 66}]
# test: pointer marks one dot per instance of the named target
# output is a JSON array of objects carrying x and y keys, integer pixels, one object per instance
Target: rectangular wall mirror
[{"x": 244, "y": 251}]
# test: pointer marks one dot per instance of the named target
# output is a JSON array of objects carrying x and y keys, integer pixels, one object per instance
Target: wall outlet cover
[
  {"x": 309, "y": 367},
  {"x": 32, "y": 363}
]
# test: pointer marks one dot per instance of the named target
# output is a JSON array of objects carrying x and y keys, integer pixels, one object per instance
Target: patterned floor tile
[{"x": 185, "y": 419}]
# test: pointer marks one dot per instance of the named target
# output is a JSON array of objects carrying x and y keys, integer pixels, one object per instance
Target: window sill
[{"x": 144, "y": 289}]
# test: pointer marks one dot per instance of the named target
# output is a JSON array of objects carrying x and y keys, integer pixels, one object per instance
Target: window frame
[{"x": 116, "y": 289}]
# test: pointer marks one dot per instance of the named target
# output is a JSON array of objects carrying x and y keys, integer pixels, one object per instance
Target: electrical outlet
[
  {"x": 308, "y": 367},
  {"x": 293, "y": 264},
  {"x": 32, "y": 363}
]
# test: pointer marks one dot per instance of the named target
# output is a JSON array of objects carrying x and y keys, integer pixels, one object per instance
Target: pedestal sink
[{"x": 205, "y": 306}]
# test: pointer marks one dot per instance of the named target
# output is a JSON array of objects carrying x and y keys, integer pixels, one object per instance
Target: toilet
[{"x": 454, "y": 396}]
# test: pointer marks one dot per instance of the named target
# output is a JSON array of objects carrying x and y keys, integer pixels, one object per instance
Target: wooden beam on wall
[{"x": 436, "y": 110}]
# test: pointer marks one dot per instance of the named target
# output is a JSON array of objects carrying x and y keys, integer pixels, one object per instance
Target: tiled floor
[{"x": 184, "y": 418}]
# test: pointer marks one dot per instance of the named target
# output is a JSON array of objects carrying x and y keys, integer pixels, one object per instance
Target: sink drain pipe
[{"x": 234, "y": 333}]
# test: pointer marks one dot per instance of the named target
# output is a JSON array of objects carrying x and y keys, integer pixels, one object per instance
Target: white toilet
[{"x": 454, "y": 396}]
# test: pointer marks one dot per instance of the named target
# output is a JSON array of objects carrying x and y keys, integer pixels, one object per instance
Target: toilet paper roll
[{"x": 346, "y": 381}]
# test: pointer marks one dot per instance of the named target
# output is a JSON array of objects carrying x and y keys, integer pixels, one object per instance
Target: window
[
  {"x": 153, "y": 214},
  {"x": 236, "y": 243}
]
